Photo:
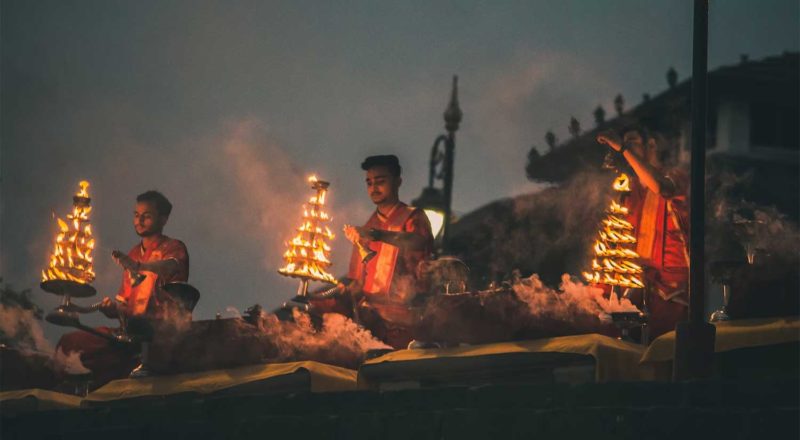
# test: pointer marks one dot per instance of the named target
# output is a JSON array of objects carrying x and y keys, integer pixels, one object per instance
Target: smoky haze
[{"x": 227, "y": 107}]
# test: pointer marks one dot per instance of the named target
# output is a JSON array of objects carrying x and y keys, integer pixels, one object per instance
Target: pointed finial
[{"x": 452, "y": 115}]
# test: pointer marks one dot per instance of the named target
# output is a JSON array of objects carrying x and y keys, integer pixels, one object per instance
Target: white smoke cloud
[
  {"x": 339, "y": 340},
  {"x": 269, "y": 184},
  {"x": 23, "y": 329},
  {"x": 528, "y": 310},
  {"x": 573, "y": 298},
  {"x": 69, "y": 363}
]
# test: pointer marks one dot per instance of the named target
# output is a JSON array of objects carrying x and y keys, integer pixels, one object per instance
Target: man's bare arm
[
  {"x": 162, "y": 268},
  {"x": 407, "y": 241},
  {"x": 649, "y": 176}
]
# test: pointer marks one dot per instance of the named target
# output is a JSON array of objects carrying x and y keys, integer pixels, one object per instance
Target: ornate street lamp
[{"x": 437, "y": 202}]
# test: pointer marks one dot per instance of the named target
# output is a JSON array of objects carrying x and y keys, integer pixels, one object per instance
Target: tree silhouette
[
  {"x": 550, "y": 139},
  {"x": 574, "y": 127},
  {"x": 599, "y": 115},
  {"x": 619, "y": 104}
]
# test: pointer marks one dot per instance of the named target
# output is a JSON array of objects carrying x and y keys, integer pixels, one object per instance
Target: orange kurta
[
  {"x": 142, "y": 299},
  {"x": 392, "y": 273},
  {"x": 662, "y": 236},
  {"x": 389, "y": 279}
]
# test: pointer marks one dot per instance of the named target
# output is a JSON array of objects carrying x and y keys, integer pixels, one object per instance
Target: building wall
[{"x": 733, "y": 127}]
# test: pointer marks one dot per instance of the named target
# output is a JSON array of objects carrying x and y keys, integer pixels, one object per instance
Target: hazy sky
[{"x": 227, "y": 106}]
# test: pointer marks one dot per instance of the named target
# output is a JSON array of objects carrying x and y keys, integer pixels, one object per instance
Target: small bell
[
  {"x": 136, "y": 278},
  {"x": 365, "y": 253}
]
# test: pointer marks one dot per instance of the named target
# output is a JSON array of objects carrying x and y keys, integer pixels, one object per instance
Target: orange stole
[
  {"x": 138, "y": 297},
  {"x": 379, "y": 275},
  {"x": 648, "y": 225}
]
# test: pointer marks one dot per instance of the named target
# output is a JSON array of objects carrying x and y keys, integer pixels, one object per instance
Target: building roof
[{"x": 772, "y": 79}]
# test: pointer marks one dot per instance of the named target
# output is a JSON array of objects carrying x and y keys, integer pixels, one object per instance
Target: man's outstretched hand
[
  {"x": 611, "y": 139},
  {"x": 357, "y": 234},
  {"x": 108, "y": 308},
  {"x": 351, "y": 234},
  {"x": 124, "y": 261}
]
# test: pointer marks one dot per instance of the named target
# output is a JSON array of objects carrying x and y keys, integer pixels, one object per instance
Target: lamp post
[{"x": 437, "y": 202}]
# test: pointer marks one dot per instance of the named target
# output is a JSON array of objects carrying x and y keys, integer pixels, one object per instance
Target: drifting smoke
[
  {"x": 265, "y": 177},
  {"x": 70, "y": 363},
  {"x": 22, "y": 330},
  {"x": 444, "y": 275},
  {"x": 527, "y": 309},
  {"x": 231, "y": 312},
  {"x": 339, "y": 341},
  {"x": 764, "y": 230},
  {"x": 573, "y": 299},
  {"x": 549, "y": 232},
  {"x": 259, "y": 338},
  {"x": 768, "y": 231},
  {"x": 737, "y": 225},
  {"x": 270, "y": 189}
]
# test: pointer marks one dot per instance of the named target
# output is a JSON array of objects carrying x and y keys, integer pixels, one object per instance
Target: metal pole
[
  {"x": 694, "y": 340},
  {"x": 698, "y": 184},
  {"x": 452, "y": 119},
  {"x": 449, "y": 153}
]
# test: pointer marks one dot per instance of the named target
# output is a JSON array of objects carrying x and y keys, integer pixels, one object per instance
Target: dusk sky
[{"x": 226, "y": 107}]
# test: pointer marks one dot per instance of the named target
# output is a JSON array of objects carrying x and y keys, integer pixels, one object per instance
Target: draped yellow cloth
[
  {"x": 36, "y": 399},
  {"x": 731, "y": 335},
  {"x": 615, "y": 360},
  {"x": 323, "y": 378}
]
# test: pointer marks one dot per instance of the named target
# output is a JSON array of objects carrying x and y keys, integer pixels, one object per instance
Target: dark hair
[
  {"x": 163, "y": 206},
  {"x": 643, "y": 132},
  {"x": 666, "y": 152},
  {"x": 389, "y": 161}
]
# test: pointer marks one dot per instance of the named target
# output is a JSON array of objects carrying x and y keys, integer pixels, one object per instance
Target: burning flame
[
  {"x": 614, "y": 263},
  {"x": 616, "y": 208},
  {"x": 71, "y": 258},
  {"x": 308, "y": 253}
]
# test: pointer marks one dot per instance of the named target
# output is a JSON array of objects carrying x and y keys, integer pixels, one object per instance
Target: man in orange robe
[
  {"x": 161, "y": 260},
  {"x": 658, "y": 212},
  {"x": 387, "y": 252}
]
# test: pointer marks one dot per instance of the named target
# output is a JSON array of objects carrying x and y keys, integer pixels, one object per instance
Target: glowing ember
[
  {"x": 72, "y": 254},
  {"x": 308, "y": 253},
  {"x": 615, "y": 264},
  {"x": 622, "y": 183}
]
